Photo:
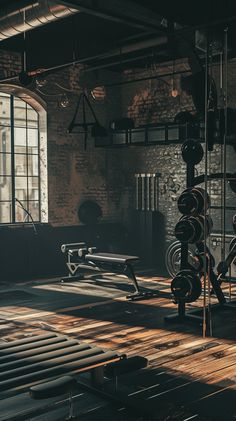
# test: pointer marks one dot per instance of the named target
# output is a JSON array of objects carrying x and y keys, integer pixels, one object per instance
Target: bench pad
[{"x": 111, "y": 258}]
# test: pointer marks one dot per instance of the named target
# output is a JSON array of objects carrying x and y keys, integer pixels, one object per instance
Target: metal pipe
[
  {"x": 31, "y": 16},
  {"x": 142, "y": 79},
  {"x": 137, "y": 177},
  {"x": 148, "y": 192},
  {"x": 153, "y": 192},
  {"x": 143, "y": 191}
]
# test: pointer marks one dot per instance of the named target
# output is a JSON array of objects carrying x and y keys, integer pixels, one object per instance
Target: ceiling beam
[{"x": 125, "y": 12}]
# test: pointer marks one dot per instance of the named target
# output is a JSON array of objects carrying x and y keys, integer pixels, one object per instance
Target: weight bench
[
  {"x": 82, "y": 257},
  {"x": 70, "y": 385},
  {"x": 40, "y": 358}
]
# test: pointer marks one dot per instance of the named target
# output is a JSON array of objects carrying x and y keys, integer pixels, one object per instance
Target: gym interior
[{"x": 117, "y": 210}]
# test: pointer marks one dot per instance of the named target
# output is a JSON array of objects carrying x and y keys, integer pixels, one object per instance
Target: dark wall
[{"x": 26, "y": 255}]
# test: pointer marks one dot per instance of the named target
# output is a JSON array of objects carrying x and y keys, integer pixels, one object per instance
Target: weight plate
[
  {"x": 173, "y": 258},
  {"x": 186, "y": 286},
  {"x": 192, "y": 151}
]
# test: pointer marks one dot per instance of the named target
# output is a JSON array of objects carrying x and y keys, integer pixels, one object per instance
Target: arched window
[{"x": 23, "y": 163}]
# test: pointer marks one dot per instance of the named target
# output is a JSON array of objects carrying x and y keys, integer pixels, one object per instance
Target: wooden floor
[{"x": 189, "y": 377}]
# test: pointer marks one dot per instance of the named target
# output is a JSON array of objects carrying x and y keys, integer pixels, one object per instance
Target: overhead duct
[{"x": 38, "y": 13}]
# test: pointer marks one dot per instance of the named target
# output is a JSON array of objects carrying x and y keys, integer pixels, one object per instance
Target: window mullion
[{"x": 13, "y": 204}]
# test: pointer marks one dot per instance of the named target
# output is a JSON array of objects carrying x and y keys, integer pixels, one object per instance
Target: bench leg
[
  {"x": 97, "y": 376},
  {"x": 71, "y": 415},
  {"x": 137, "y": 295},
  {"x": 129, "y": 272}
]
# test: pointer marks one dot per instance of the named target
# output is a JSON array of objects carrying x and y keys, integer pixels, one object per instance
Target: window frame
[{"x": 30, "y": 103}]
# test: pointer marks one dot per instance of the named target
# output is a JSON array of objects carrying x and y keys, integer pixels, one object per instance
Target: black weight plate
[
  {"x": 173, "y": 258},
  {"x": 89, "y": 212}
]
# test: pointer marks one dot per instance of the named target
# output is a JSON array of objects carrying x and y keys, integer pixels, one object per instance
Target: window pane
[
  {"x": 19, "y": 113},
  {"x": 5, "y": 188},
  {"x": 21, "y": 188},
  {"x": 5, "y": 212},
  {"x": 21, "y": 215},
  {"x": 5, "y": 164},
  {"x": 20, "y": 140},
  {"x": 20, "y": 164},
  {"x": 34, "y": 210},
  {"x": 5, "y": 110},
  {"x": 33, "y": 163},
  {"x": 5, "y": 139},
  {"x": 33, "y": 188},
  {"x": 32, "y": 137},
  {"x": 32, "y": 117}
]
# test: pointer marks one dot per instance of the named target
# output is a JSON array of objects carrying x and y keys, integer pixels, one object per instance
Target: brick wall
[
  {"x": 150, "y": 102},
  {"x": 105, "y": 175}
]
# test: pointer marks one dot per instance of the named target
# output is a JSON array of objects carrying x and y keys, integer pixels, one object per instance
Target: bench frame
[{"x": 81, "y": 263}]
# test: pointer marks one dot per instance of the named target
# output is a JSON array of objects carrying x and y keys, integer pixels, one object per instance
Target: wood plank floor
[{"x": 189, "y": 377}]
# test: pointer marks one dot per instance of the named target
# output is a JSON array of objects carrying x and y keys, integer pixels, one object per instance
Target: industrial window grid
[{"x": 19, "y": 161}]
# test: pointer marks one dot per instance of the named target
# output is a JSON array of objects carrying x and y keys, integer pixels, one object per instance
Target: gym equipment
[
  {"x": 192, "y": 151},
  {"x": 186, "y": 287},
  {"x": 63, "y": 385},
  {"x": 122, "y": 124},
  {"x": 147, "y": 191},
  {"x": 173, "y": 258},
  {"x": 195, "y": 259},
  {"x": 184, "y": 117},
  {"x": 234, "y": 223},
  {"x": 193, "y": 201},
  {"x": 83, "y": 126},
  {"x": 84, "y": 257},
  {"x": 232, "y": 183},
  {"x": 89, "y": 212},
  {"x": 72, "y": 385},
  {"x": 190, "y": 229},
  {"x": 31, "y": 360},
  {"x": 224, "y": 265}
]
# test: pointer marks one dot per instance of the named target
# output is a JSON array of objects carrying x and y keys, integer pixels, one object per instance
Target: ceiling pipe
[{"x": 30, "y": 16}]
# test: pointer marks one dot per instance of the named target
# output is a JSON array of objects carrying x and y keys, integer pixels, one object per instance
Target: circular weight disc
[
  {"x": 232, "y": 244},
  {"x": 187, "y": 203},
  {"x": 89, "y": 212},
  {"x": 232, "y": 183},
  {"x": 184, "y": 230},
  {"x": 186, "y": 286},
  {"x": 192, "y": 152},
  {"x": 234, "y": 223},
  {"x": 173, "y": 258}
]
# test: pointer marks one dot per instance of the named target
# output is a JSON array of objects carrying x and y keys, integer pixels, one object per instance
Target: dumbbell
[
  {"x": 192, "y": 151},
  {"x": 193, "y": 201},
  {"x": 186, "y": 286},
  {"x": 190, "y": 229}
]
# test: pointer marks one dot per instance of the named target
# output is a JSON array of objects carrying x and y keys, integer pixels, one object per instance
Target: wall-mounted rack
[{"x": 159, "y": 134}]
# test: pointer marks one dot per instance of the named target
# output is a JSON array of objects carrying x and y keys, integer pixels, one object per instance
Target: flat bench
[
  {"x": 46, "y": 357},
  {"x": 69, "y": 384},
  {"x": 80, "y": 257}
]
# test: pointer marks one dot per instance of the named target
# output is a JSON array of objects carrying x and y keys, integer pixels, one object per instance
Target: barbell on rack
[{"x": 190, "y": 229}]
